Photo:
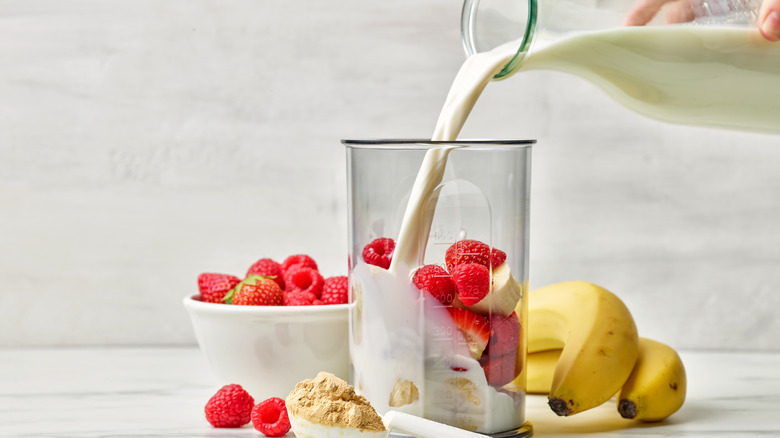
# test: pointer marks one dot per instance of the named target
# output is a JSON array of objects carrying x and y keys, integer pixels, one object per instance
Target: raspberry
[
  {"x": 335, "y": 290},
  {"x": 379, "y": 252},
  {"x": 436, "y": 281},
  {"x": 473, "y": 327},
  {"x": 299, "y": 298},
  {"x": 270, "y": 417},
  {"x": 303, "y": 279},
  {"x": 214, "y": 287},
  {"x": 257, "y": 291},
  {"x": 231, "y": 406},
  {"x": 466, "y": 251},
  {"x": 298, "y": 259},
  {"x": 472, "y": 281},
  {"x": 268, "y": 268}
]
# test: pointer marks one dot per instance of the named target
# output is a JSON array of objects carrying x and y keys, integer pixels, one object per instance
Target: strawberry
[
  {"x": 270, "y": 417},
  {"x": 379, "y": 252},
  {"x": 302, "y": 279},
  {"x": 256, "y": 290},
  {"x": 231, "y": 406},
  {"x": 504, "y": 334},
  {"x": 268, "y": 268},
  {"x": 298, "y": 259},
  {"x": 497, "y": 257},
  {"x": 472, "y": 281},
  {"x": 436, "y": 281},
  {"x": 335, "y": 290},
  {"x": 473, "y": 327},
  {"x": 500, "y": 361},
  {"x": 499, "y": 370},
  {"x": 214, "y": 287}
]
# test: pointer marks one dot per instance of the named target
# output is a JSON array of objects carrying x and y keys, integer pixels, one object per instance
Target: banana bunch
[{"x": 584, "y": 349}]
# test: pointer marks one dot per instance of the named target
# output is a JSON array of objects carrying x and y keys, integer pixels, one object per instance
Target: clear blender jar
[{"x": 412, "y": 348}]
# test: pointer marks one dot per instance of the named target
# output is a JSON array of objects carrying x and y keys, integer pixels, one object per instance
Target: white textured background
[{"x": 145, "y": 141}]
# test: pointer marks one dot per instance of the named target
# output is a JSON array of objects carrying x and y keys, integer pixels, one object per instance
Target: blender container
[{"x": 461, "y": 362}]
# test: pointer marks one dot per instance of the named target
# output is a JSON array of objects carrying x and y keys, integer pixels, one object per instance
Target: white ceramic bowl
[{"x": 268, "y": 349}]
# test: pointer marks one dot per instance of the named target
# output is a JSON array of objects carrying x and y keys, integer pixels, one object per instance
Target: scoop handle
[{"x": 422, "y": 428}]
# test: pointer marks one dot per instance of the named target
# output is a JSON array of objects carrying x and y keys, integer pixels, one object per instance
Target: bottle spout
[{"x": 488, "y": 24}]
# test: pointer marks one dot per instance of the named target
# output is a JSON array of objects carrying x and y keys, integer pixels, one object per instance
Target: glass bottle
[{"x": 697, "y": 62}]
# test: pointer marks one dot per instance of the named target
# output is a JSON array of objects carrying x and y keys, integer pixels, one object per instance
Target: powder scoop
[{"x": 328, "y": 407}]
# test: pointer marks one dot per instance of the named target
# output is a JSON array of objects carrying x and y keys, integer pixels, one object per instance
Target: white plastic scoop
[
  {"x": 394, "y": 421},
  {"x": 423, "y": 428}
]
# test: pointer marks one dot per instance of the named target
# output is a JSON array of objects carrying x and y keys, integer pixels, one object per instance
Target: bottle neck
[{"x": 487, "y": 24}]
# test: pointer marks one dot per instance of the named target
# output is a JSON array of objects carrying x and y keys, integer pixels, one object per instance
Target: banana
[
  {"x": 598, "y": 338},
  {"x": 541, "y": 367},
  {"x": 505, "y": 293},
  {"x": 654, "y": 390},
  {"x": 656, "y": 387}
]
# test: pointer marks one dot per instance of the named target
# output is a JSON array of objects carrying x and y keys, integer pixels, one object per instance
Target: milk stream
[{"x": 471, "y": 80}]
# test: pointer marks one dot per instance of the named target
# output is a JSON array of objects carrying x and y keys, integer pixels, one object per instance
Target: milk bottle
[{"x": 714, "y": 70}]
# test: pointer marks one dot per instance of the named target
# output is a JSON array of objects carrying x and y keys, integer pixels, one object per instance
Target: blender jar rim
[{"x": 426, "y": 144}]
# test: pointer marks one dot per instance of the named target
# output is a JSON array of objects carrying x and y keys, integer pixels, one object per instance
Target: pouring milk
[{"x": 726, "y": 77}]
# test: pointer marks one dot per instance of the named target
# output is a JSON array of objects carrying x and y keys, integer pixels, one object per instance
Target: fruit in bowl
[{"x": 281, "y": 323}]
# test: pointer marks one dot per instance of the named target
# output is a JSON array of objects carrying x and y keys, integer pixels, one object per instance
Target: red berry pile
[
  {"x": 232, "y": 406},
  {"x": 467, "y": 277},
  {"x": 296, "y": 281},
  {"x": 491, "y": 339}
]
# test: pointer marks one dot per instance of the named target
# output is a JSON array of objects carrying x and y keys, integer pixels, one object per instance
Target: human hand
[
  {"x": 769, "y": 19},
  {"x": 679, "y": 11}
]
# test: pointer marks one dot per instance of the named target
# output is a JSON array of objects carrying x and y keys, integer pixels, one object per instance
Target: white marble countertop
[{"x": 160, "y": 392}]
